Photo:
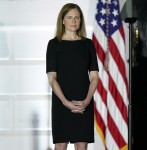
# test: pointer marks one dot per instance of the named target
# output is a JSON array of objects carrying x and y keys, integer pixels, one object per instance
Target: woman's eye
[
  {"x": 69, "y": 17},
  {"x": 77, "y": 17}
]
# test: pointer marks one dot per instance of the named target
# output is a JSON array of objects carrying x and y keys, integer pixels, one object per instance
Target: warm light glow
[{"x": 136, "y": 35}]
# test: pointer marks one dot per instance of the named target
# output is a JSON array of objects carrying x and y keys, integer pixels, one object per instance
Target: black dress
[{"x": 72, "y": 60}]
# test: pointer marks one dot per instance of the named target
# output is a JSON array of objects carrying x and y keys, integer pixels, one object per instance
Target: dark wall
[
  {"x": 140, "y": 9},
  {"x": 139, "y": 78}
]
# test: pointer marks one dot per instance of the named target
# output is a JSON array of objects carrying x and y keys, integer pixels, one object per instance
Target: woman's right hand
[{"x": 74, "y": 108}]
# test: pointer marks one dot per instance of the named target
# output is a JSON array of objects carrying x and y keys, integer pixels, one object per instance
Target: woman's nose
[{"x": 73, "y": 20}]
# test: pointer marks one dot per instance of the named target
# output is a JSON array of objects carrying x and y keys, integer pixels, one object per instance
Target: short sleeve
[
  {"x": 51, "y": 57},
  {"x": 93, "y": 66}
]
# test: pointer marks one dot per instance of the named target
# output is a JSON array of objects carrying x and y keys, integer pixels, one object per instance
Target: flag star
[
  {"x": 115, "y": 3},
  {"x": 115, "y": 12},
  {"x": 103, "y": 1},
  {"x": 114, "y": 23},
  {"x": 103, "y": 11},
  {"x": 102, "y": 22},
  {"x": 107, "y": 1}
]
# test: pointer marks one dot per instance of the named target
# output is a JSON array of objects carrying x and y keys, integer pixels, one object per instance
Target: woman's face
[{"x": 72, "y": 20}]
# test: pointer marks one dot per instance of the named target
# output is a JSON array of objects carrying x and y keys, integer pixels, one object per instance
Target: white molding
[
  {"x": 20, "y": 61},
  {"x": 23, "y": 132},
  {"x": 4, "y": 59},
  {"x": 24, "y": 94},
  {"x": 28, "y": 59},
  {"x": 31, "y": 28}
]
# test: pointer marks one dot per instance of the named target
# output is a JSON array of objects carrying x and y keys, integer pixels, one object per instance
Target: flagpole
[{"x": 130, "y": 21}]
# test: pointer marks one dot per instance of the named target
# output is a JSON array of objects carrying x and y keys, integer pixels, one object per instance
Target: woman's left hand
[{"x": 82, "y": 104}]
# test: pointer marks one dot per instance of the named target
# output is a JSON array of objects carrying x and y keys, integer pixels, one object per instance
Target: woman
[{"x": 72, "y": 69}]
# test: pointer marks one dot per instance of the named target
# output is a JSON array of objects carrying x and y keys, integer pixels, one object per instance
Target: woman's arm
[
  {"x": 58, "y": 91},
  {"x": 55, "y": 86},
  {"x": 92, "y": 87}
]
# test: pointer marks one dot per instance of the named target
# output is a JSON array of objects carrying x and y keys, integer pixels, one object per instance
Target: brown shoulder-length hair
[{"x": 60, "y": 28}]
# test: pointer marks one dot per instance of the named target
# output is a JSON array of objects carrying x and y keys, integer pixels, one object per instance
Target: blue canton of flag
[{"x": 108, "y": 16}]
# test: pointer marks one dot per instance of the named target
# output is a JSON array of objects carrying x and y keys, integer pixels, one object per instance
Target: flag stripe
[
  {"x": 119, "y": 42},
  {"x": 102, "y": 91},
  {"x": 117, "y": 116},
  {"x": 116, "y": 56},
  {"x": 121, "y": 30},
  {"x": 101, "y": 107},
  {"x": 118, "y": 99},
  {"x": 103, "y": 75},
  {"x": 100, "y": 36},
  {"x": 110, "y": 142},
  {"x": 99, "y": 121},
  {"x": 115, "y": 132},
  {"x": 118, "y": 80},
  {"x": 99, "y": 49}
]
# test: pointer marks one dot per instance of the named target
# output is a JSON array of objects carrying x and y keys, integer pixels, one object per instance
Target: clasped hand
[{"x": 77, "y": 106}]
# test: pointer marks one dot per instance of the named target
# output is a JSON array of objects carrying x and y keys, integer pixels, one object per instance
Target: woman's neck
[{"x": 70, "y": 36}]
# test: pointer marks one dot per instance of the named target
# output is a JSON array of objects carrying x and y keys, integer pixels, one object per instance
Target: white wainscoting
[{"x": 25, "y": 95}]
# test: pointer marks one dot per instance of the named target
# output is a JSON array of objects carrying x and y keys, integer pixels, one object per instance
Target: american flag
[{"x": 111, "y": 97}]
